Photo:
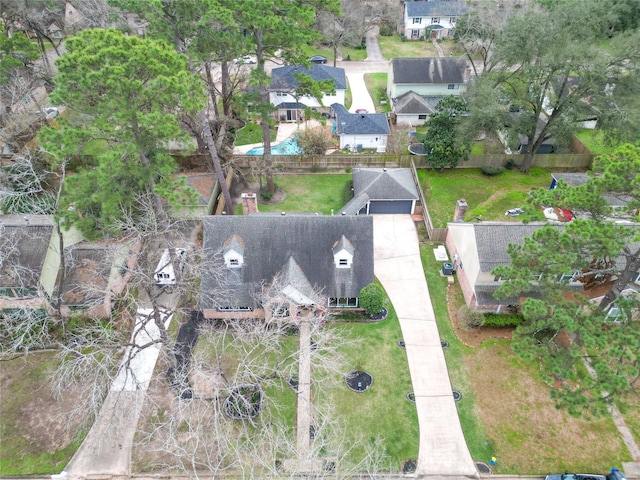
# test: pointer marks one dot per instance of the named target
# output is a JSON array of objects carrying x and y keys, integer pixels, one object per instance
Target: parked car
[
  {"x": 574, "y": 476},
  {"x": 318, "y": 59},
  {"x": 249, "y": 59}
]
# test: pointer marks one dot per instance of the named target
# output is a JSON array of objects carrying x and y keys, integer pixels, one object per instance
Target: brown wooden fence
[
  {"x": 434, "y": 234},
  {"x": 340, "y": 161}
]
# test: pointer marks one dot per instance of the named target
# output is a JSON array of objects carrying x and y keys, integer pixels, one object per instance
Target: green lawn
[
  {"x": 487, "y": 196},
  {"x": 252, "y": 133},
  {"x": 348, "y": 53},
  {"x": 382, "y": 412},
  {"x": 594, "y": 141},
  {"x": 377, "y": 87},
  {"x": 309, "y": 193},
  {"x": 394, "y": 47}
]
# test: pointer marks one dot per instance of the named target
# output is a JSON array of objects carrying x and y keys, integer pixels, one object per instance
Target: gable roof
[
  {"x": 24, "y": 241},
  {"x": 282, "y": 78},
  {"x": 360, "y": 123},
  {"x": 271, "y": 241},
  {"x": 435, "y": 8},
  {"x": 577, "y": 179},
  {"x": 412, "y": 103},
  {"x": 385, "y": 183},
  {"x": 423, "y": 70},
  {"x": 492, "y": 240}
]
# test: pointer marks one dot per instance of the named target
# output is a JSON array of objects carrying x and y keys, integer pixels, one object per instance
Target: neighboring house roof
[
  {"x": 86, "y": 280},
  {"x": 360, "y": 123},
  {"x": 291, "y": 105},
  {"x": 493, "y": 239},
  {"x": 272, "y": 242},
  {"x": 411, "y": 103},
  {"x": 435, "y": 8},
  {"x": 385, "y": 183},
  {"x": 24, "y": 241},
  {"x": 282, "y": 78},
  {"x": 423, "y": 70},
  {"x": 577, "y": 179}
]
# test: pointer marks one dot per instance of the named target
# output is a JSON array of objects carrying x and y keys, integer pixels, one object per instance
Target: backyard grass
[
  {"x": 594, "y": 141},
  {"x": 252, "y": 133},
  {"x": 506, "y": 410},
  {"x": 382, "y": 412},
  {"x": 36, "y": 435},
  {"x": 486, "y": 196},
  {"x": 377, "y": 86},
  {"x": 309, "y": 193}
]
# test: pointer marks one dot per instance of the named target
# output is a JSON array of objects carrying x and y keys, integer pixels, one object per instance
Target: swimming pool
[{"x": 287, "y": 147}]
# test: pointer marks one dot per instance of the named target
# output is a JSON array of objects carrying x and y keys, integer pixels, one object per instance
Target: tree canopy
[
  {"x": 552, "y": 70},
  {"x": 125, "y": 93},
  {"x": 442, "y": 146},
  {"x": 580, "y": 316}
]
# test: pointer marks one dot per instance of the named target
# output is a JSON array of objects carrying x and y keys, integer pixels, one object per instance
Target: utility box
[{"x": 447, "y": 269}]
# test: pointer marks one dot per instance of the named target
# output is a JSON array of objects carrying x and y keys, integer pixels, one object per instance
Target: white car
[{"x": 248, "y": 59}]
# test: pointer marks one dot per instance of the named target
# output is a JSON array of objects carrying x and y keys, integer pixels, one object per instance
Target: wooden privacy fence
[
  {"x": 434, "y": 234},
  {"x": 334, "y": 161},
  {"x": 338, "y": 161}
]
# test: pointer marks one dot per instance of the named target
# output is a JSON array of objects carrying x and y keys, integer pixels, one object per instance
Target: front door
[{"x": 415, "y": 34}]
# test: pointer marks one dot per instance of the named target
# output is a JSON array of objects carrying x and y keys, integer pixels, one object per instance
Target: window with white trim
[
  {"x": 435, "y": 20},
  {"x": 417, "y": 20}
]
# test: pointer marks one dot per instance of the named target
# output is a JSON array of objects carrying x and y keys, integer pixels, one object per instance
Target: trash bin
[
  {"x": 447, "y": 269},
  {"x": 616, "y": 475}
]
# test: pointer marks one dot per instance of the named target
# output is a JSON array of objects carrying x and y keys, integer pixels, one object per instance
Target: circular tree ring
[
  {"x": 457, "y": 396},
  {"x": 401, "y": 344},
  {"x": 409, "y": 466},
  {"x": 358, "y": 381},
  {"x": 411, "y": 397},
  {"x": 444, "y": 344}
]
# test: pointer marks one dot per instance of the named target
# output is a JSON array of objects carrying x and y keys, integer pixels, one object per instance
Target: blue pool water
[{"x": 288, "y": 147}]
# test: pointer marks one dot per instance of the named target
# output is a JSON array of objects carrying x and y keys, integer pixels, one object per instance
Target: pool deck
[{"x": 285, "y": 130}]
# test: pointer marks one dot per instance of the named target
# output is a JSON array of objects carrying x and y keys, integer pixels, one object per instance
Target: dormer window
[
  {"x": 233, "y": 252},
  {"x": 343, "y": 253}
]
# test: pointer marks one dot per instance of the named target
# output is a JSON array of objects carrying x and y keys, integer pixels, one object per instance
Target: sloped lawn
[
  {"x": 486, "y": 196},
  {"x": 506, "y": 410}
]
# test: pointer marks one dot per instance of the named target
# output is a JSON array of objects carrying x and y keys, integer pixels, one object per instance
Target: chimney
[
  {"x": 461, "y": 209},
  {"x": 249, "y": 203}
]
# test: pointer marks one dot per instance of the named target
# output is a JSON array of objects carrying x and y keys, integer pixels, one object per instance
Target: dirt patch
[
  {"x": 35, "y": 422},
  {"x": 470, "y": 336},
  {"x": 238, "y": 189}
]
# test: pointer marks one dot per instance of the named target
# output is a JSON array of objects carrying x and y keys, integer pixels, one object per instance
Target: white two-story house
[
  {"x": 434, "y": 18},
  {"x": 282, "y": 91}
]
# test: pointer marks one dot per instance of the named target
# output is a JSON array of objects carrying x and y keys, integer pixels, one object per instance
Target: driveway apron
[{"x": 443, "y": 449}]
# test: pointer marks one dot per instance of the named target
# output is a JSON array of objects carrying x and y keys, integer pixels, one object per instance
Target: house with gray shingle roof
[
  {"x": 307, "y": 259},
  {"x": 427, "y": 76},
  {"x": 412, "y": 109},
  {"x": 382, "y": 190},
  {"x": 476, "y": 249},
  {"x": 360, "y": 130},
  {"x": 438, "y": 18},
  {"x": 282, "y": 91},
  {"x": 33, "y": 276}
]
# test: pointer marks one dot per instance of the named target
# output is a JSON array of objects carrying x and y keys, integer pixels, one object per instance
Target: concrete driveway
[{"x": 443, "y": 449}]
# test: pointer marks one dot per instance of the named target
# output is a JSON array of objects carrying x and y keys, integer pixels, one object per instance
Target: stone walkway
[{"x": 304, "y": 407}]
